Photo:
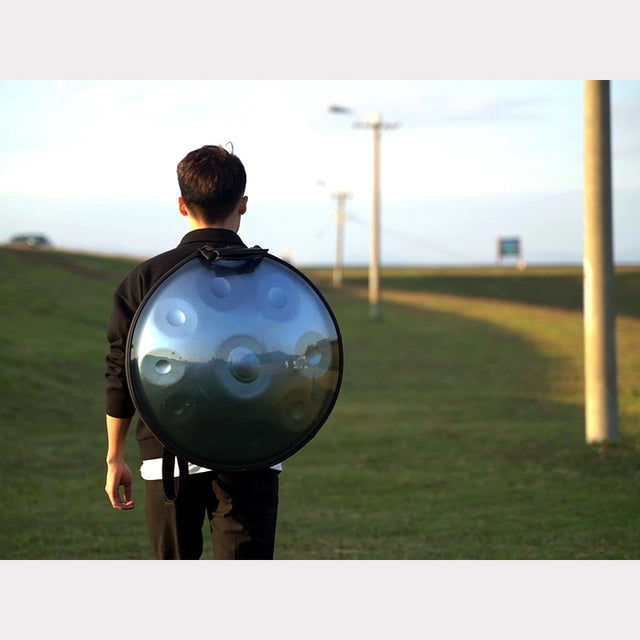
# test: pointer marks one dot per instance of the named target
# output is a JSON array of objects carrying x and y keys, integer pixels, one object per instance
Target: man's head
[{"x": 212, "y": 183}]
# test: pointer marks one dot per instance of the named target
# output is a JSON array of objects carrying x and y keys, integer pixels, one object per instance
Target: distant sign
[{"x": 509, "y": 247}]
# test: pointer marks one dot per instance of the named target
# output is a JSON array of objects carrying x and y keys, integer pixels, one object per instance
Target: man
[{"x": 241, "y": 507}]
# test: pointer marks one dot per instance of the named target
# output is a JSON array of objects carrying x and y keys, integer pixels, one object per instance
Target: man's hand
[{"x": 119, "y": 475}]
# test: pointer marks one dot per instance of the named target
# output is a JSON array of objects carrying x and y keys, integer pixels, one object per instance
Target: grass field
[{"x": 459, "y": 432}]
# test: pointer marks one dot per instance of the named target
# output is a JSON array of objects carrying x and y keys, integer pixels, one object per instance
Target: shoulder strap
[
  {"x": 171, "y": 491},
  {"x": 243, "y": 259}
]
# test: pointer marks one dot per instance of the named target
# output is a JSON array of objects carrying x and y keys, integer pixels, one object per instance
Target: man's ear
[
  {"x": 182, "y": 207},
  {"x": 243, "y": 205}
]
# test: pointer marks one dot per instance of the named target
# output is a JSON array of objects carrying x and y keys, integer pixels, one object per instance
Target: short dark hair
[{"x": 212, "y": 182}]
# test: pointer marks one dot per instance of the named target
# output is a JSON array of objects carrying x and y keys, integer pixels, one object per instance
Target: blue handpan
[{"x": 234, "y": 359}]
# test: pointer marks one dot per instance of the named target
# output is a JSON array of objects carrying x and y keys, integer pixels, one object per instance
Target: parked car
[{"x": 34, "y": 240}]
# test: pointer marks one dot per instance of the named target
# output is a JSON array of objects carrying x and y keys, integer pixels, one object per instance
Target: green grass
[{"x": 459, "y": 432}]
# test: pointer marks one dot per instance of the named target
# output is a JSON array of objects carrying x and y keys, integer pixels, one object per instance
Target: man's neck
[{"x": 229, "y": 224}]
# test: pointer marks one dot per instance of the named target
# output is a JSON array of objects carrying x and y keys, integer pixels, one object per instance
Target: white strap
[{"x": 152, "y": 469}]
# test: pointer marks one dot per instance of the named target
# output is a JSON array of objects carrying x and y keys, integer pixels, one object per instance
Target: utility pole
[
  {"x": 341, "y": 197},
  {"x": 601, "y": 393},
  {"x": 341, "y": 217},
  {"x": 374, "y": 264},
  {"x": 372, "y": 120}
]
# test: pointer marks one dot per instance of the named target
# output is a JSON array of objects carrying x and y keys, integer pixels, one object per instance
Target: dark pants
[{"x": 242, "y": 510}]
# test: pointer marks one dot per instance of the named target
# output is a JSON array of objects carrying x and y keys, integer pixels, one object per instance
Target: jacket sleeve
[{"x": 125, "y": 303}]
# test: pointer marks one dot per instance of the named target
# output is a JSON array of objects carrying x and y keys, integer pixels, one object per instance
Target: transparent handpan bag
[{"x": 234, "y": 359}]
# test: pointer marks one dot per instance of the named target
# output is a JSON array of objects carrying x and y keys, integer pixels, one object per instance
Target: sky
[
  {"x": 91, "y": 164},
  {"x": 487, "y": 103}
]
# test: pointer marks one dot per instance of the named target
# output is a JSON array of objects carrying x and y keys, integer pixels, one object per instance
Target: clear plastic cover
[{"x": 232, "y": 368}]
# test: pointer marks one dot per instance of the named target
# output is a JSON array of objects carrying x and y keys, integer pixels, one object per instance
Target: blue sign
[{"x": 509, "y": 247}]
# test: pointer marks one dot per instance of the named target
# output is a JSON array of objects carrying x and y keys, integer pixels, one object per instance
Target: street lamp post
[{"x": 372, "y": 120}]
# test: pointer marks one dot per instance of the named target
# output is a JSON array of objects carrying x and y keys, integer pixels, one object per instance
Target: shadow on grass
[
  {"x": 560, "y": 288},
  {"x": 446, "y": 443}
]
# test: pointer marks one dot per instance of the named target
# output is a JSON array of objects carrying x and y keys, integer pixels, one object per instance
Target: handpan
[{"x": 234, "y": 359}]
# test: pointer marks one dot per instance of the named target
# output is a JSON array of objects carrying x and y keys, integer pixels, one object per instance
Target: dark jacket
[{"x": 126, "y": 300}]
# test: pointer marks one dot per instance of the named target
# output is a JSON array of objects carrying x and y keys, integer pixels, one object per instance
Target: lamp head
[{"x": 335, "y": 108}]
